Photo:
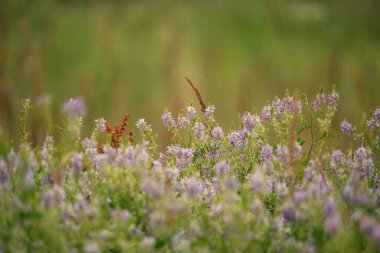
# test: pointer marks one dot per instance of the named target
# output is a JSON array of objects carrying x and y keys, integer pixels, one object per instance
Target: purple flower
[
  {"x": 347, "y": 128},
  {"x": 374, "y": 122},
  {"x": 333, "y": 99},
  {"x": 190, "y": 112},
  {"x": 238, "y": 139},
  {"x": 186, "y": 156},
  {"x": 330, "y": 208},
  {"x": 258, "y": 184},
  {"x": 74, "y": 107},
  {"x": 193, "y": 188},
  {"x": 213, "y": 154},
  {"x": 300, "y": 196},
  {"x": 365, "y": 162},
  {"x": 100, "y": 125},
  {"x": 86, "y": 142},
  {"x": 77, "y": 162},
  {"x": 267, "y": 153},
  {"x": 46, "y": 151},
  {"x": 209, "y": 112},
  {"x": 283, "y": 154},
  {"x": 217, "y": 133},
  {"x": 220, "y": 169},
  {"x": 173, "y": 151},
  {"x": 142, "y": 125},
  {"x": 168, "y": 120},
  {"x": 337, "y": 157},
  {"x": 266, "y": 113},
  {"x": 183, "y": 121},
  {"x": 13, "y": 159},
  {"x": 249, "y": 121},
  {"x": 52, "y": 197},
  {"x": 151, "y": 187},
  {"x": 199, "y": 131},
  {"x": 289, "y": 213},
  {"x": 321, "y": 99}
]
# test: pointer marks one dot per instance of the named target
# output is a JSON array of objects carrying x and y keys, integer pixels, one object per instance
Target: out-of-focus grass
[{"x": 132, "y": 56}]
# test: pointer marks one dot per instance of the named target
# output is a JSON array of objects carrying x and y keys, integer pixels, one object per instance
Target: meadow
[
  {"x": 178, "y": 126},
  {"x": 258, "y": 187}
]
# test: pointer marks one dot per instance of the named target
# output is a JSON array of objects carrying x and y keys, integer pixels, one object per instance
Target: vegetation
[{"x": 261, "y": 186}]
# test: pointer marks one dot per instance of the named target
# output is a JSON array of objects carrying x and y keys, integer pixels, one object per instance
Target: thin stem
[{"x": 312, "y": 139}]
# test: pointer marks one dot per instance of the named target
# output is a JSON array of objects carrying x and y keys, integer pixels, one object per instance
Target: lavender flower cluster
[{"x": 271, "y": 184}]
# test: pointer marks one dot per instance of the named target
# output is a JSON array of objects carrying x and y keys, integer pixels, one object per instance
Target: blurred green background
[{"x": 132, "y": 56}]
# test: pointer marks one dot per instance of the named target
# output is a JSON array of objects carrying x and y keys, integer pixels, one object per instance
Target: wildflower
[
  {"x": 258, "y": 184},
  {"x": 220, "y": 169},
  {"x": 249, "y": 121},
  {"x": 267, "y": 153},
  {"x": 100, "y": 125},
  {"x": 142, "y": 126},
  {"x": 364, "y": 161},
  {"x": 183, "y": 121},
  {"x": 192, "y": 187},
  {"x": 74, "y": 107},
  {"x": 186, "y": 156},
  {"x": 173, "y": 151},
  {"x": 347, "y": 128},
  {"x": 330, "y": 208},
  {"x": 151, "y": 187},
  {"x": 46, "y": 152},
  {"x": 209, "y": 112},
  {"x": 282, "y": 190},
  {"x": 300, "y": 196},
  {"x": 14, "y": 160},
  {"x": 168, "y": 120},
  {"x": 86, "y": 143},
  {"x": 238, "y": 139},
  {"x": 374, "y": 122},
  {"x": 321, "y": 99},
  {"x": 52, "y": 197},
  {"x": 199, "y": 130},
  {"x": 283, "y": 154},
  {"x": 213, "y": 154},
  {"x": 337, "y": 157},
  {"x": 77, "y": 162},
  {"x": 191, "y": 112},
  {"x": 289, "y": 213},
  {"x": 266, "y": 113},
  {"x": 333, "y": 99},
  {"x": 217, "y": 133}
]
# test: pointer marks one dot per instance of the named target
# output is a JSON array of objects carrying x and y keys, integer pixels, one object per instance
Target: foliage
[{"x": 273, "y": 183}]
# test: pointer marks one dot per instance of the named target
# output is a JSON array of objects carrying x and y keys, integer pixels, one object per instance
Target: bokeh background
[{"x": 132, "y": 56}]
